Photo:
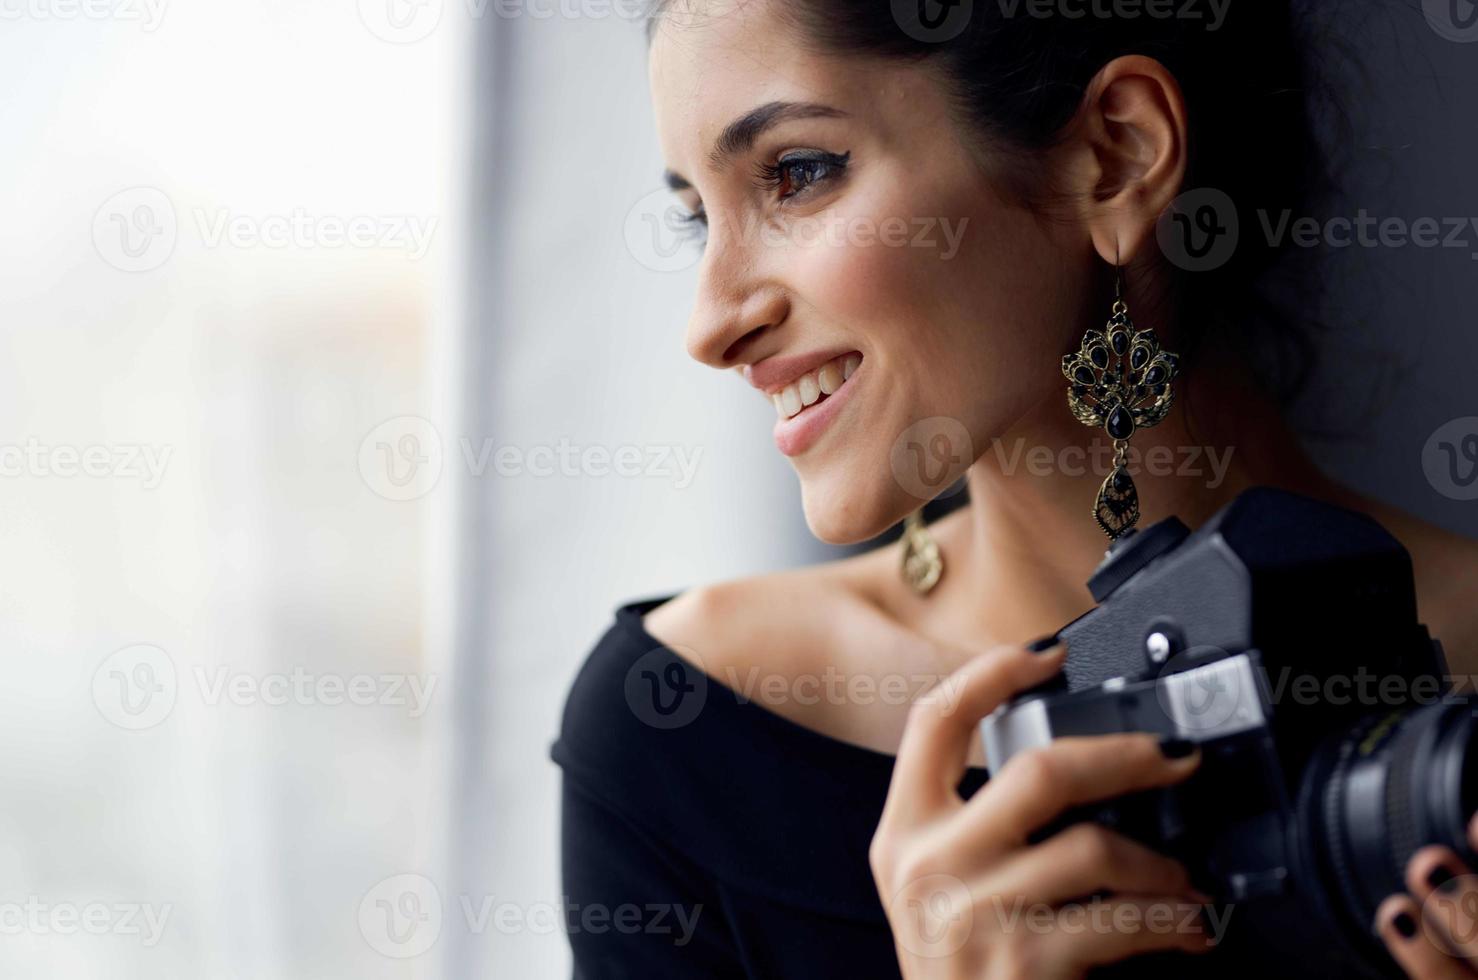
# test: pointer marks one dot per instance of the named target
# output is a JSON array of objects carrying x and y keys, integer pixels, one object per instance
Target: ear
[{"x": 1127, "y": 153}]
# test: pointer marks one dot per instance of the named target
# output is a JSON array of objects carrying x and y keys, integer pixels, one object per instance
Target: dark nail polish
[
  {"x": 1044, "y": 644},
  {"x": 1405, "y": 925},
  {"x": 1441, "y": 878},
  {"x": 1176, "y": 748}
]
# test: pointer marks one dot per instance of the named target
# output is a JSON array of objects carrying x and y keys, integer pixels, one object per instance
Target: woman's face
[{"x": 861, "y": 269}]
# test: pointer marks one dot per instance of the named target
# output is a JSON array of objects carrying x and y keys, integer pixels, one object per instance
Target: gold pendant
[{"x": 922, "y": 562}]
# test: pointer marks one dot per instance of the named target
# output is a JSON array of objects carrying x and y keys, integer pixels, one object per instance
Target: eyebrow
[{"x": 740, "y": 135}]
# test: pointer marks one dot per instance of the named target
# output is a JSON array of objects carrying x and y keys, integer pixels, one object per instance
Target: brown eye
[{"x": 794, "y": 174}]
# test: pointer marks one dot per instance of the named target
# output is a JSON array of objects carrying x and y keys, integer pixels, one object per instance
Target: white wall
[
  {"x": 585, "y": 344},
  {"x": 261, "y": 549}
]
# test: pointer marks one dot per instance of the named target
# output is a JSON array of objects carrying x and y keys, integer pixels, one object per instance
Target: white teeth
[
  {"x": 829, "y": 378},
  {"x": 809, "y": 389},
  {"x": 790, "y": 399}
]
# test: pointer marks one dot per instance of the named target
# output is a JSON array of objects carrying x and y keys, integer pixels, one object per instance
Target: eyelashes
[
  {"x": 798, "y": 172},
  {"x": 790, "y": 177},
  {"x": 694, "y": 223}
]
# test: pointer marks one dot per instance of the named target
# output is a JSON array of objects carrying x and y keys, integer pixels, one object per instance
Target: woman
[{"x": 909, "y": 222}]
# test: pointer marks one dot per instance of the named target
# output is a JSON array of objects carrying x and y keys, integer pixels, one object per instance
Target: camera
[{"x": 1282, "y": 637}]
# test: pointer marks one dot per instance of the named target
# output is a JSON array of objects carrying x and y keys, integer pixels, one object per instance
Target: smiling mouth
[{"x": 813, "y": 387}]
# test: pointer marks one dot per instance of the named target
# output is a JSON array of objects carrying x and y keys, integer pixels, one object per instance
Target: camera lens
[{"x": 1389, "y": 786}]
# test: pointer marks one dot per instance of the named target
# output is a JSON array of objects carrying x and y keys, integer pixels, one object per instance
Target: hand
[
  {"x": 1433, "y": 931},
  {"x": 965, "y": 894}
]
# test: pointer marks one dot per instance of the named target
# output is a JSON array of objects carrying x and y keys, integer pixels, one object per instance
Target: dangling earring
[
  {"x": 1119, "y": 379},
  {"x": 922, "y": 562}
]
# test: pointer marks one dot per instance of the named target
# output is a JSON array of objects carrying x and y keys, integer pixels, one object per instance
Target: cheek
[
  {"x": 949, "y": 305},
  {"x": 971, "y": 327}
]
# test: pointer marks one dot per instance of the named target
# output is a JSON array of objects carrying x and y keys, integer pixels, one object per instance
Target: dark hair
[{"x": 1018, "y": 70}]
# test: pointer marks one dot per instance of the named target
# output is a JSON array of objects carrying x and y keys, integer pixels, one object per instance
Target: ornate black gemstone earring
[{"x": 1119, "y": 379}]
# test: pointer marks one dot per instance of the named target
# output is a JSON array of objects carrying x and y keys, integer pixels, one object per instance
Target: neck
[{"x": 1029, "y": 542}]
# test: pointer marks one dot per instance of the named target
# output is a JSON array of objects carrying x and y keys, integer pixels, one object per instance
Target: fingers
[
  {"x": 936, "y": 743},
  {"x": 1037, "y": 785},
  {"x": 1447, "y": 893},
  {"x": 1399, "y": 924},
  {"x": 1128, "y": 926},
  {"x": 1085, "y": 859}
]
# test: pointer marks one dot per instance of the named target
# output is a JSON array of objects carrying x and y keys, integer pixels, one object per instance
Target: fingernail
[
  {"x": 1441, "y": 879},
  {"x": 1044, "y": 644},
  {"x": 1405, "y": 925},
  {"x": 1176, "y": 748}
]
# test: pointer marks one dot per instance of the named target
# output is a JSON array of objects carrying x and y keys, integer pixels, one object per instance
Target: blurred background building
[{"x": 343, "y": 397}]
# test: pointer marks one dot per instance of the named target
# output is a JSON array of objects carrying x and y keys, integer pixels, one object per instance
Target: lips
[{"x": 798, "y": 432}]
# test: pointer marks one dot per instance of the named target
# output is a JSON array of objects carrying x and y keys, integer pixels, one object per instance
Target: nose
[{"x": 735, "y": 307}]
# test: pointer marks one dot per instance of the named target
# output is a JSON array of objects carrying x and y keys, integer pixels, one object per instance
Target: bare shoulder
[
  {"x": 787, "y": 619},
  {"x": 1446, "y": 570},
  {"x": 796, "y": 641}
]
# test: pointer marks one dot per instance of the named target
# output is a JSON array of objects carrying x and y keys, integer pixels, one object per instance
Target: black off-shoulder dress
[{"x": 705, "y": 836}]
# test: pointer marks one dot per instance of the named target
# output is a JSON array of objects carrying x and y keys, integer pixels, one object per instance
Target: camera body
[{"x": 1282, "y": 636}]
